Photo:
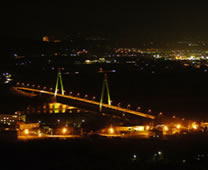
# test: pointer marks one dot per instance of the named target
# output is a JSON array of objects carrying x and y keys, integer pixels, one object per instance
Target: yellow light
[
  {"x": 165, "y": 128},
  {"x": 147, "y": 127},
  {"x": 45, "y": 39},
  {"x": 194, "y": 126},
  {"x": 64, "y": 130},
  {"x": 39, "y": 134},
  {"x": 111, "y": 130},
  {"x": 178, "y": 126},
  {"x": 140, "y": 128},
  {"x": 26, "y": 132}
]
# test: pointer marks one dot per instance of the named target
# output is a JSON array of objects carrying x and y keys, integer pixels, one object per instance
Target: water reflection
[{"x": 51, "y": 108}]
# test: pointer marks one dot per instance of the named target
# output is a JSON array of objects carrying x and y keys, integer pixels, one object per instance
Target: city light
[
  {"x": 139, "y": 128},
  {"x": 165, "y": 128},
  {"x": 64, "y": 130},
  {"x": 147, "y": 127},
  {"x": 178, "y": 126},
  {"x": 26, "y": 132},
  {"x": 111, "y": 130},
  {"x": 194, "y": 126}
]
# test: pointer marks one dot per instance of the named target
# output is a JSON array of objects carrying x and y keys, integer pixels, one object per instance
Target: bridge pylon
[
  {"x": 105, "y": 85},
  {"x": 59, "y": 78}
]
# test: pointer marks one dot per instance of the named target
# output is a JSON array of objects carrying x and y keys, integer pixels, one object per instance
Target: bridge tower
[
  {"x": 59, "y": 78},
  {"x": 105, "y": 85}
]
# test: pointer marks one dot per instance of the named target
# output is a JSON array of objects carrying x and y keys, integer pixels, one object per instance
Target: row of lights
[
  {"x": 194, "y": 126},
  {"x": 78, "y": 95},
  {"x": 45, "y": 88},
  {"x": 64, "y": 131},
  {"x": 86, "y": 96}
]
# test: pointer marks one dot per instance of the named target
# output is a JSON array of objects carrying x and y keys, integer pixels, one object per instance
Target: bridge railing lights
[
  {"x": 138, "y": 108},
  {"x": 93, "y": 98}
]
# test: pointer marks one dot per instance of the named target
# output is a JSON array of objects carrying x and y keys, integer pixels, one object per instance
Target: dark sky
[{"x": 136, "y": 20}]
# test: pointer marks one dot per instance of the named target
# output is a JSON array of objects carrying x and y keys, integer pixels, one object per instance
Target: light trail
[{"x": 90, "y": 102}]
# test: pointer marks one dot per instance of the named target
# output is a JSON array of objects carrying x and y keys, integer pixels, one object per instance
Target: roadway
[{"x": 90, "y": 102}]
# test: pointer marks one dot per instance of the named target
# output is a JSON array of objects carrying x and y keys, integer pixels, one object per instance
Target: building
[{"x": 9, "y": 120}]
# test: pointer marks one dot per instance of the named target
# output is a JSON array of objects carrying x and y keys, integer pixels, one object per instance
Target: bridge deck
[{"x": 90, "y": 102}]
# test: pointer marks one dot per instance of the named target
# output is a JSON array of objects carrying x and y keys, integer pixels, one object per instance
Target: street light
[
  {"x": 178, "y": 126},
  {"x": 138, "y": 108},
  {"x": 147, "y": 127},
  {"x": 26, "y": 132},
  {"x": 111, "y": 130},
  {"x": 128, "y": 106},
  {"x": 93, "y": 98},
  {"x": 64, "y": 130},
  {"x": 194, "y": 126},
  {"x": 165, "y": 128}
]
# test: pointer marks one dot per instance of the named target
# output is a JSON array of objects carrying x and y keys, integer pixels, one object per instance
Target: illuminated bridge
[
  {"x": 84, "y": 100},
  {"x": 87, "y": 101}
]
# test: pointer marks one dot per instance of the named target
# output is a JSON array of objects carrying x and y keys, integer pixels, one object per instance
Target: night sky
[{"x": 132, "y": 20}]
